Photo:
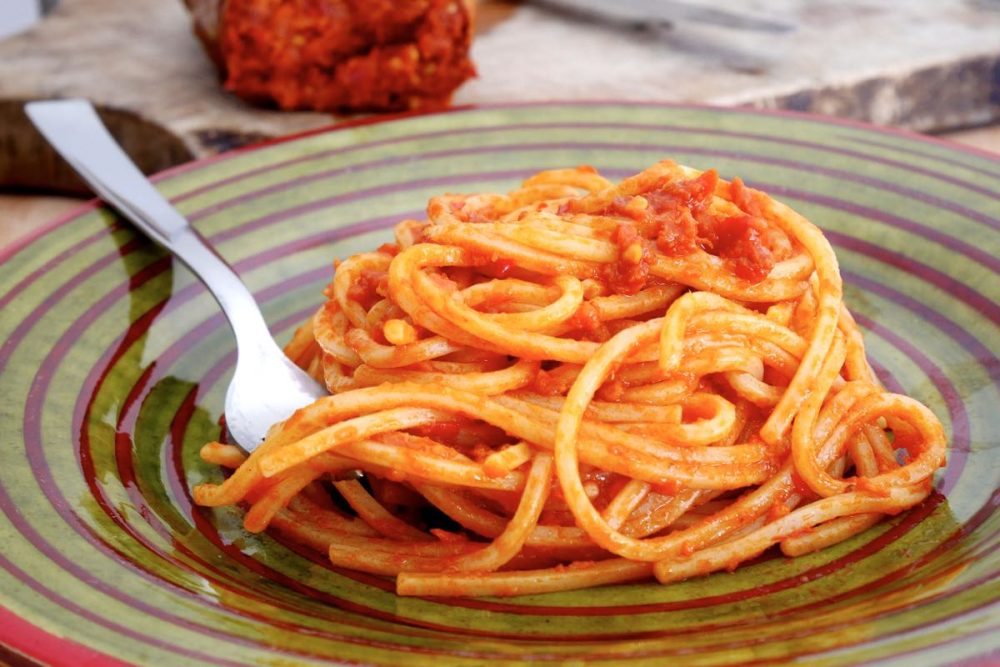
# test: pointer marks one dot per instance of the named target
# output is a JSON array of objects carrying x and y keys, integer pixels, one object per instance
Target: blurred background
[
  {"x": 931, "y": 66},
  {"x": 16, "y": 15}
]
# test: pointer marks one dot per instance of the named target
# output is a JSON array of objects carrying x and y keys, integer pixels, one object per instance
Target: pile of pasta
[{"x": 580, "y": 383}]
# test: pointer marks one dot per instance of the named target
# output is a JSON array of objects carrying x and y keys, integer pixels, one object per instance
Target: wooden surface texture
[{"x": 923, "y": 64}]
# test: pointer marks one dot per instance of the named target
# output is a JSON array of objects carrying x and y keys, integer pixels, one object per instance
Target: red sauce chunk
[
  {"x": 748, "y": 199},
  {"x": 619, "y": 206},
  {"x": 586, "y": 318},
  {"x": 677, "y": 208},
  {"x": 331, "y": 55},
  {"x": 499, "y": 268},
  {"x": 546, "y": 385},
  {"x": 629, "y": 274},
  {"x": 439, "y": 431},
  {"x": 365, "y": 290},
  {"x": 686, "y": 224},
  {"x": 696, "y": 193},
  {"x": 678, "y": 233},
  {"x": 389, "y": 249},
  {"x": 741, "y": 239},
  {"x": 678, "y": 215}
]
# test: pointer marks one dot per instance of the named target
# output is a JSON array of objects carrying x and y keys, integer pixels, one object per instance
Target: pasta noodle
[{"x": 580, "y": 383}]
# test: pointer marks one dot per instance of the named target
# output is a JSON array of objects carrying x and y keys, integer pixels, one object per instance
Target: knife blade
[{"x": 668, "y": 12}]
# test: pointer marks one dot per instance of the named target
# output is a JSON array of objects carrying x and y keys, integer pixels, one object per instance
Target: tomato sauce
[
  {"x": 499, "y": 268},
  {"x": 586, "y": 318},
  {"x": 741, "y": 240},
  {"x": 330, "y": 55},
  {"x": 366, "y": 289},
  {"x": 678, "y": 216},
  {"x": 389, "y": 249},
  {"x": 626, "y": 276},
  {"x": 750, "y": 201}
]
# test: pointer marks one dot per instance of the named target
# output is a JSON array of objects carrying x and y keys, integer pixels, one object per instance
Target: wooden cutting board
[{"x": 922, "y": 64}]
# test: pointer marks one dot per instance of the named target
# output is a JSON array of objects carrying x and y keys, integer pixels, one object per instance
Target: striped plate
[{"x": 114, "y": 363}]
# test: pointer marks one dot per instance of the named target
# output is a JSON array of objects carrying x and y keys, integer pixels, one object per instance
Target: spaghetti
[{"x": 581, "y": 383}]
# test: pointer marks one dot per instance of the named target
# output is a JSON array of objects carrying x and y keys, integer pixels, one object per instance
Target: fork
[{"x": 266, "y": 387}]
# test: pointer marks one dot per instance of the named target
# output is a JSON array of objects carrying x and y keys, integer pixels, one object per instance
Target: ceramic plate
[{"x": 114, "y": 364}]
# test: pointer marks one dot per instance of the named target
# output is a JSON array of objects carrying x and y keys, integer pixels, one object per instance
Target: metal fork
[{"x": 266, "y": 387}]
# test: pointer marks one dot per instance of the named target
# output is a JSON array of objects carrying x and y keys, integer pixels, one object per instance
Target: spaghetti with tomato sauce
[{"x": 583, "y": 383}]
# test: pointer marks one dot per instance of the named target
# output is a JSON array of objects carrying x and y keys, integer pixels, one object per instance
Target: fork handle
[{"x": 77, "y": 133}]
